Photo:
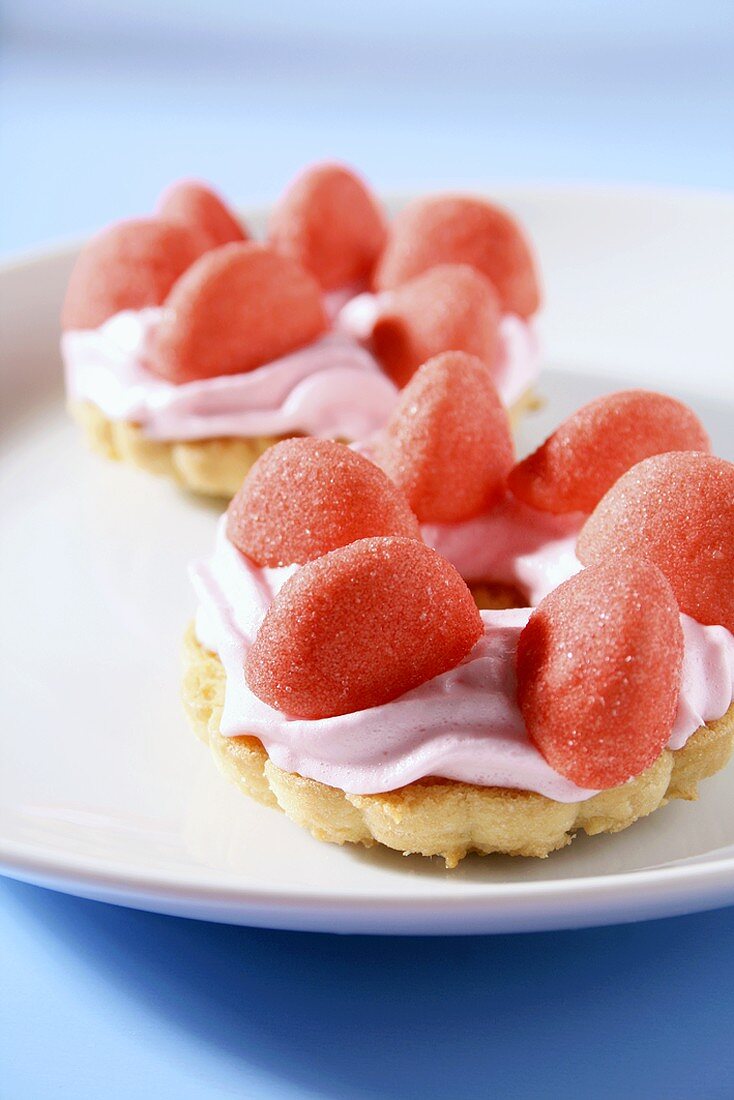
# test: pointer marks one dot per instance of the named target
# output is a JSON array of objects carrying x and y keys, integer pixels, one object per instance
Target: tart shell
[
  {"x": 441, "y": 817},
  {"x": 212, "y": 467}
]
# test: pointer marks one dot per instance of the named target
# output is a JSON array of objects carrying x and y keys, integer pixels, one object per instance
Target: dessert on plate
[
  {"x": 189, "y": 348},
  {"x": 340, "y": 669}
]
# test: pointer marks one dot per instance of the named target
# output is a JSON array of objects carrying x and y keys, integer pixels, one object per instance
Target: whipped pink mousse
[
  {"x": 511, "y": 544},
  {"x": 332, "y": 388},
  {"x": 463, "y": 725},
  {"x": 518, "y": 363}
]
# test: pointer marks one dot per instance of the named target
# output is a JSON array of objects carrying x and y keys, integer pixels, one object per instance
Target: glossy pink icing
[
  {"x": 463, "y": 725},
  {"x": 331, "y": 389},
  {"x": 518, "y": 363}
]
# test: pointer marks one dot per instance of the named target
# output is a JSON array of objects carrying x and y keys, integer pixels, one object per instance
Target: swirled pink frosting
[
  {"x": 511, "y": 544},
  {"x": 518, "y": 360},
  {"x": 464, "y": 724},
  {"x": 331, "y": 389}
]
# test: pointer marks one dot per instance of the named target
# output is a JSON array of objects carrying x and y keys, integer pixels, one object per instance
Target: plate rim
[{"x": 95, "y": 872}]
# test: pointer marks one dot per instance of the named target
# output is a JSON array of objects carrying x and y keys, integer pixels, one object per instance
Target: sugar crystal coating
[
  {"x": 676, "y": 510},
  {"x": 239, "y": 306},
  {"x": 329, "y": 222},
  {"x": 458, "y": 229},
  {"x": 304, "y": 497},
  {"x": 130, "y": 265},
  {"x": 195, "y": 205},
  {"x": 448, "y": 444},
  {"x": 590, "y": 450},
  {"x": 360, "y": 627},
  {"x": 598, "y": 672},
  {"x": 450, "y": 307}
]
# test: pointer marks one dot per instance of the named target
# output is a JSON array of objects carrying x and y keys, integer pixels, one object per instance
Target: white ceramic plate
[{"x": 105, "y": 793}]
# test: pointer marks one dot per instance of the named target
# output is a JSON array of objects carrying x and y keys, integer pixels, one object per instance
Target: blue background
[{"x": 102, "y": 103}]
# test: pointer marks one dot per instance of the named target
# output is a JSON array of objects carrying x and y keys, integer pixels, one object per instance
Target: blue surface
[
  {"x": 104, "y": 1002},
  {"x": 101, "y": 105}
]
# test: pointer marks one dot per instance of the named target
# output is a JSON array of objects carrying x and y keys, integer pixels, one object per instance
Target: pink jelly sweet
[
  {"x": 238, "y": 307},
  {"x": 361, "y": 626},
  {"x": 304, "y": 497},
  {"x": 196, "y": 206},
  {"x": 458, "y": 229},
  {"x": 448, "y": 444},
  {"x": 676, "y": 510},
  {"x": 450, "y": 307},
  {"x": 329, "y": 222},
  {"x": 599, "y": 672},
  {"x": 130, "y": 265},
  {"x": 590, "y": 450}
]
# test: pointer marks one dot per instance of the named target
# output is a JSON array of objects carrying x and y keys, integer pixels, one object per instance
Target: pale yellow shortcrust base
[
  {"x": 438, "y": 816},
  {"x": 213, "y": 467}
]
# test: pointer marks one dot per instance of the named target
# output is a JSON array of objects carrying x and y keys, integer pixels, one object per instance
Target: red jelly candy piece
[
  {"x": 583, "y": 458},
  {"x": 448, "y": 444},
  {"x": 195, "y": 205},
  {"x": 238, "y": 307},
  {"x": 361, "y": 626},
  {"x": 599, "y": 670},
  {"x": 130, "y": 265},
  {"x": 304, "y": 497},
  {"x": 450, "y": 307},
  {"x": 330, "y": 223},
  {"x": 462, "y": 230},
  {"x": 676, "y": 510}
]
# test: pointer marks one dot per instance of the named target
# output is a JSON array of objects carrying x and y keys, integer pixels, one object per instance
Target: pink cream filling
[
  {"x": 463, "y": 725},
  {"x": 333, "y": 388},
  {"x": 511, "y": 544}
]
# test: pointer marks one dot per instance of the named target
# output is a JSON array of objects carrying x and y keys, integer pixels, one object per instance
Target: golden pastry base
[{"x": 213, "y": 467}]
